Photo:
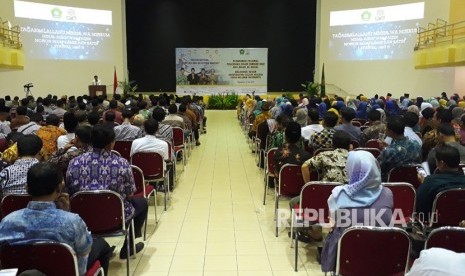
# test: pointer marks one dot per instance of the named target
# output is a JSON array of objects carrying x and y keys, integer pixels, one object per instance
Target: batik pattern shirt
[
  {"x": 62, "y": 157},
  {"x": 127, "y": 132},
  {"x": 322, "y": 139},
  {"x": 13, "y": 178},
  {"x": 41, "y": 220},
  {"x": 49, "y": 135},
  {"x": 331, "y": 165},
  {"x": 164, "y": 132},
  {"x": 101, "y": 169},
  {"x": 401, "y": 152},
  {"x": 372, "y": 132},
  {"x": 289, "y": 154},
  {"x": 265, "y": 115}
]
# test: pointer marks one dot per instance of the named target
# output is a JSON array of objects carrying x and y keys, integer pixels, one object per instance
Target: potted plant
[
  {"x": 127, "y": 86},
  {"x": 311, "y": 88}
]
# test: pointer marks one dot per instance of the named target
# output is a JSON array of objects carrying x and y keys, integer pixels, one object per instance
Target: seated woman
[{"x": 363, "y": 201}]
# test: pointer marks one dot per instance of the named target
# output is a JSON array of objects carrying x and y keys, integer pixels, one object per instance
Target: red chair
[
  {"x": 49, "y": 257},
  {"x": 452, "y": 238},
  {"x": 152, "y": 164},
  {"x": 313, "y": 196},
  {"x": 290, "y": 184},
  {"x": 404, "y": 195},
  {"x": 376, "y": 152},
  {"x": 406, "y": 173},
  {"x": 356, "y": 123},
  {"x": 124, "y": 148},
  {"x": 145, "y": 191},
  {"x": 14, "y": 202},
  {"x": 179, "y": 143},
  {"x": 373, "y": 143},
  {"x": 269, "y": 169},
  {"x": 380, "y": 251},
  {"x": 110, "y": 221},
  {"x": 448, "y": 208},
  {"x": 3, "y": 145}
]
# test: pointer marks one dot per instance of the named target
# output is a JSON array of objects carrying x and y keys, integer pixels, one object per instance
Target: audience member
[
  {"x": 79, "y": 145},
  {"x": 164, "y": 131},
  {"x": 33, "y": 126},
  {"x": 313, "y": 126},
  {"x": 173, "y": 119},
  {"x": 438, "y": 262},
  {"x": 44, "y": 219},
  {"x": 446, "y": 136},
  {"x": 59, "y": 110},
  {"x": 290, "y": 153},
  {"x": 70, "y": 122},
  {"x": 49, "y": 135},
  {"x": 376, "y": 127},
  {"x": 324, "y": 138},
  {"x": 13, "y": 178},
  {"x": 126, "y": 131},
  {"x": 102, "y": 169},
  {"x": 113, "y": 107},
  {"x": 20, "y": 119},
  {"x": 348, "y": 114}
]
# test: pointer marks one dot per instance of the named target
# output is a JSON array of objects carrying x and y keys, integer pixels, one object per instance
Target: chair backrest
[
  {"x": 448, "y": 208},
  {"x": 314, "y": 196},
  {"x": 151, "y": 163},
  {"x": 373, "y": 143},
  {"x": 178, "y": 136},
  {"x": 170, "y": 147},
  {"x": 406, "y": 173},
  {"x": 14, "y": 202},
  {"x": 376, "y": 152},
  {"x": 308, "y": 148},
  {"x": 356, "y": 123},
  {"x": 3, "y": 144},
  {"x": 138, "y": 179},
  {"x": 291, "y": 180},
  {"x": 381, "y": 251},
  {"x": 270, "y": 160},
  {"x": 452, "y": 238},
  {"x": 101, "y": 210},
  {"x": 361, "y": 121},
  {"x": 404, "y": 195},
  {"x": 50, "y": 258},
  {"x": 124, "y": 148}
]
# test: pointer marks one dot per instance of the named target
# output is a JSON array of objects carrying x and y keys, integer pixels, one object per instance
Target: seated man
[
  {"x": 49, "y": 135},
  {"x": 376, "y": 127},
  {"x": 126, "y": 131},
  {"x": 446, "y": 136},
  {"x": 402, "y": 151},
  {"x": 411, "y": 120},
  {"x": 13, "y": 178},
  {"x": 438, "y": 262},
  {"x": 290, "y": 153},
  {"x": 324, "y": 138},
  {"x": 173, "y": 119},
  {"x": 149, "y": 143},
  {"x": 164, "y": 131},
  {"x": 314, "y": 125},
  {"x": 43, "y": 220},
  {"x": 101, "y": 169},
  {"x": 33, "y": 126},
  {"x": 348, "y": 114},
  {"x": 448, "y": 177}
]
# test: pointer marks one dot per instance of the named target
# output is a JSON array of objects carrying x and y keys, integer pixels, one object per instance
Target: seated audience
[
  {"x": 446, "y": 136},
  {"x": 411, "y": 120},
  {"x": 375, "y": 127},
  {"x": 113, "y": 107},
  {"x": 79, "y": 145},
  {"x": 49, "y": 135},
  {"x": 313, "y": 126},
  {"x": 33, "y": 126},
  {"x": 448, "y": 176},
  {"x": 149, "y": 143},
  {"x": 70, "y": 122},
  {"x": 430, "y": 139},
  {"x": 260, "y": 118},
  {"x": 164, "y": 131},
  {"x": 102, "y": 169},
  {"x": 363, "y": 194},
  {"x": 290, "y": 153},
  {"x": 20, "y": 119},
  {"x": 60, "y": 109},
  {"x": 13, "y": 178},
  {"x": 277, "y": 137},
  {"x": 109, "y": 119},
  {"x": 4, "y": 123},
  {"x": 348, "y": 114},
  {"x": 401, "y": 151},
  {"x": 324, "y": 138},
  {"x": 173, "y": 119},
  {"x": 126, "y": 131},
  {"x": 46, "y": 218},
  {"x": 93, "y": 118}
]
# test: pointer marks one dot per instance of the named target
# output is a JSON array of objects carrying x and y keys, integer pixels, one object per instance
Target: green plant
[
  {"x": 223, "y": 101},
  {"x": 311, "y": 88},
  {"x": 127, "y": 86}
]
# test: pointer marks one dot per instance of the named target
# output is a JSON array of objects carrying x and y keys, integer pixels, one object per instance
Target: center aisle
[{"x": 216, "y": 223}]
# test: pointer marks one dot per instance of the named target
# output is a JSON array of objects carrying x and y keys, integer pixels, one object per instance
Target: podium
[{"x": 97, "y": 90}]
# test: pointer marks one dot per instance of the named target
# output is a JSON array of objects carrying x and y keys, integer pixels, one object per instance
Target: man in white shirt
[
  {"x": 96, "y": 81},
  {"x": 438, "y": 262},
  {"x": 411, "y": 120},
  {"x": 314, "y": 125},
  {"x": 33, "y": 125},
  {"x": 149, "y": 143}
]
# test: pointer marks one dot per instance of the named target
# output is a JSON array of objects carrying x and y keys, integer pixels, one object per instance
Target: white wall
[
  {"x": 459, "y": 85},
  {"x": 394, "y": 76},
  {"x": 66, "y": 77}
]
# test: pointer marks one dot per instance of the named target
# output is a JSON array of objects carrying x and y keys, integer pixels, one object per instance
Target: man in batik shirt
[
  {"x": 376, "y": 127},
  {"x": 324, "y": 138}
]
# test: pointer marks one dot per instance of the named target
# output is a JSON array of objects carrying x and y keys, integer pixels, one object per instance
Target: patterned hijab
[{"x": 364, "y": 185}]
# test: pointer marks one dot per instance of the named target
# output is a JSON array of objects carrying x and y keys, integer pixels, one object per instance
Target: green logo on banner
[
  {"x": 242, "y": 51},
  {"x": 366, "y": 15},
  {"x": 56, "y": 13}
]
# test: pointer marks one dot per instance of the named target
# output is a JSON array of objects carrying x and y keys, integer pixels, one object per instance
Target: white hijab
[{"x": 364, "y": 185}]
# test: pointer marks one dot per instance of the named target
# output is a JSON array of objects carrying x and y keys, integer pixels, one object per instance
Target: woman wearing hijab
[
  {"x": 392, "y": 108},
  {"x": 287, "y": 109},
  {"x": 361, "y": 112},
  {"x": 322, "y": 109},
  {"x": 363, "y": 195}
]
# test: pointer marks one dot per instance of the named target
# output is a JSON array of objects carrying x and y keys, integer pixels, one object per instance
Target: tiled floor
[{"x": 216, "y": 223}]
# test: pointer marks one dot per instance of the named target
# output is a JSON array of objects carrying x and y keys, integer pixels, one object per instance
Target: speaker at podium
[{"x": 97, "y": 90}]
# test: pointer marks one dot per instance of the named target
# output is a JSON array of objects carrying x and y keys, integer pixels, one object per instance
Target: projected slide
[
  {"x": 375, "y": 33},
  {"x": 68, "y": 33}
]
